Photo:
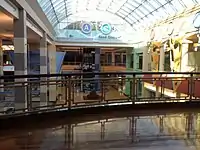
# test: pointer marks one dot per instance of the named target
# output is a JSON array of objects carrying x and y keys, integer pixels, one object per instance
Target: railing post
[
  {"x": 191, "y": 87},
  {"x": 131, "y": 87},
  {"x": 29, "y": 96},
  {"x": 65, "y": 83},
  {"x": 48, "y": 90},
  {"x": 133, "y": 90},
  {"x": 2, "y": 89},
  {"x": 69, "y": 92},
  {"x": 161, "y": 124},
  {"x": 162, "y": 88},
  {"x": 102, "y": 92}
]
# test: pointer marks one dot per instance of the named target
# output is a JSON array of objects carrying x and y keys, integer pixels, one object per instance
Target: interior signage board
[{"x": 94, "y": 31}]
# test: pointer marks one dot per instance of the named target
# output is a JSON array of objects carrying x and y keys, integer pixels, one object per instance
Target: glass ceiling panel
[{"x": 134, "y": 12}]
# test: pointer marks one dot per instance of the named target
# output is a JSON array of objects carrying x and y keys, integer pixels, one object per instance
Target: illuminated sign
[
  {"x": 8, "y": 68},
  {"x": 106, "y": 28},
  {"x": 86, "y": 28}
]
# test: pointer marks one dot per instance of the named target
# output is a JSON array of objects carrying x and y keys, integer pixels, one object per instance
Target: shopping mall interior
[{"x": 70, "y": 55}]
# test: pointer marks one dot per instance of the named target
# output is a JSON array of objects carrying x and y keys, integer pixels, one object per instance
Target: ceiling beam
[{"x": 9, "y": 8}]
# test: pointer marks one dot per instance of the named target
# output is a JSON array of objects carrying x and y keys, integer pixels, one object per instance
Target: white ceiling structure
[{"x": 137, "y": 13}]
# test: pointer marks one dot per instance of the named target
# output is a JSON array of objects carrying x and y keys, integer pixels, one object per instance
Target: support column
[
  {"x": 145, "y": 68},
  {"x": 43, "y": 70},
  {"x": 52, "y": 65},
  {"x": 161, "y": 67},
  {"x": 97, "y": 67},
  {"x": 20, "y": 58},
  {"x": 1, "y": 69},
  {"x": 113, "y": 58},
  {"x": 162, "y": 59},
  {"x": 128, "y": 64},
  {"x": 135, "y": 60},
  {"x": 1, "y": 58}
]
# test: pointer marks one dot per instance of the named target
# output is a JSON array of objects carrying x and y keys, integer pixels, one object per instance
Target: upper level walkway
[{"x": 51, "y": 92}]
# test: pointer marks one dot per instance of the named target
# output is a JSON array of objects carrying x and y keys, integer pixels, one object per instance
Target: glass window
[
  {"x": 109, "y": 61},
  {"x": 124, "y": 59},
  {"x": 189, "y": 3},
  {"x": 178, "y": 5},
  {"x": 140, "y": 13},
  {"x": 117, "y": 59},
  {"x": 132, "y": 11},
  {"x": 162, "y": 2},
  {"x": 131, "y": 60},
  {"x": 140, "y": 62},
  {"x": 154, "y": 3}
]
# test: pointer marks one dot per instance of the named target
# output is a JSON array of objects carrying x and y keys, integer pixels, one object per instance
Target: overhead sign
[
  {"x": 106, "y": 28},
  {"x": 86, "y": 28}
]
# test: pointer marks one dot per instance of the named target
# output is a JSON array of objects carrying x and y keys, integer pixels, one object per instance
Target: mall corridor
[{"x": 99, "y": 74}]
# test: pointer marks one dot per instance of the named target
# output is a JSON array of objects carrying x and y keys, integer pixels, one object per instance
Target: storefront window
[
  {"x": 131, "y": 60},
  {"x": 117, "y": 59},
  {"x": 140, "y": 62},
  {"x": 124, "y": 59}
]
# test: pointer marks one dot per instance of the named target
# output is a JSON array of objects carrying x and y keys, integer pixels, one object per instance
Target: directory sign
[
  {"x": 106, "y": 28},
  {"x": 86, "y": 28},
  {"x": 95, "y": 31}
]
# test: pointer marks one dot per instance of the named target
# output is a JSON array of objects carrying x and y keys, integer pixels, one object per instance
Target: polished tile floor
[
  {"x": 178, "y": 131},
  {"x": 111, "y": 94}
]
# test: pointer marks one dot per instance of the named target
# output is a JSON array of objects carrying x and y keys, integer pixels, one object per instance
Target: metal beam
[
  {"x": 92, "y": 44},
  {"x": 34, "y": 16},
  {"x": 49, "y": 41},
  {"x": 37, "y": 30},
  {"x": 34, "y": 28},
  {"x": 9, "y": 8}
]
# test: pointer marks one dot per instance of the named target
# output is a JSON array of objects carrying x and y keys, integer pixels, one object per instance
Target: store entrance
[{"x": 88, "y": 66}]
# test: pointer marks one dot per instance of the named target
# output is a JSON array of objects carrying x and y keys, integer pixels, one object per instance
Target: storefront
[{"x": 175, "y": 50}]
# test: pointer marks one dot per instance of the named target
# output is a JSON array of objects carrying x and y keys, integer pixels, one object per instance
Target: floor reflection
[{"x": 160, "y": 132}]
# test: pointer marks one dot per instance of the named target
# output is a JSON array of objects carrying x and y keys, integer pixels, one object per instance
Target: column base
[{"x": 18, "y": 106}]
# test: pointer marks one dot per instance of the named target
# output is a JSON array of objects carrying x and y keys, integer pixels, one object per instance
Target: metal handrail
[
  {"x": 96, "y": 73},
  {"x": 70, "y": 86},
  {"x": 102, "y": 64}
]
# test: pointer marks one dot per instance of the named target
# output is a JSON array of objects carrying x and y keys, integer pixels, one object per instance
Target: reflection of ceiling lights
[{"x": 7, "y": 47}]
